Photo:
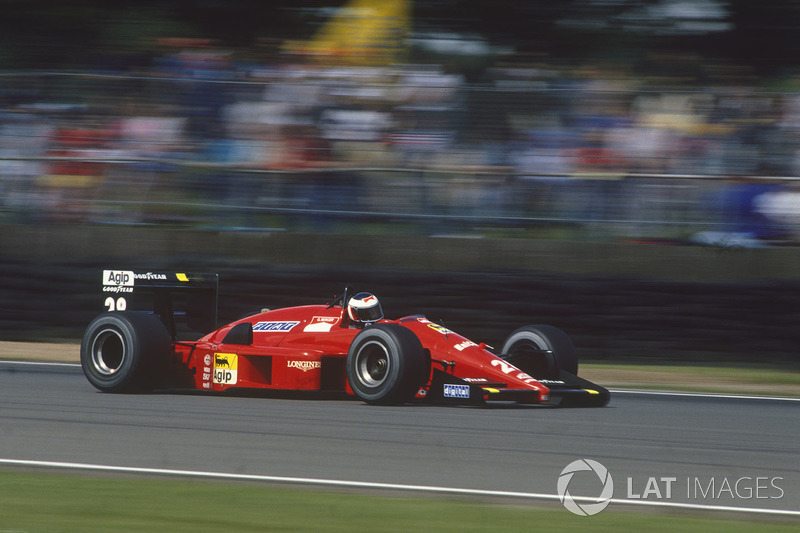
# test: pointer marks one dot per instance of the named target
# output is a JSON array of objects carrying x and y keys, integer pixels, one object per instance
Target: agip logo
[
  {"x": 118, "y": 280},
  {"x": 589, "y": 467},
  {"x": 226, "y": 368}
]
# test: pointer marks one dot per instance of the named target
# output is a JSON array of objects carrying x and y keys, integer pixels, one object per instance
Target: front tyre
[
  {"x": 386, "y": 364},
  {"x": 541, "y": 351},
  {"x": 119, "y": 350}
]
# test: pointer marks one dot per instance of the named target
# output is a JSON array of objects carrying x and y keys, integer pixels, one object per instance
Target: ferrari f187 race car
[{"x": 343, "y": 345}]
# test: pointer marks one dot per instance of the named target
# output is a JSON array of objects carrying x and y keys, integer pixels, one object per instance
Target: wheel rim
[
  {"x": 108, "y": 352},
  {"x": 530, "y": 345},
  {"x": 372, "y": 364},
  {"x": 545, "y": 364}
]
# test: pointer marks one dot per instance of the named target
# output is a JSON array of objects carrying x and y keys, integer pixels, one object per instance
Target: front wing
[{"x": 569, "y": 391}]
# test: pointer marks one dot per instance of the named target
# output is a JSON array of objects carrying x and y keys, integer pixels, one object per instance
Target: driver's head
[{"x": 364, "y": 308}]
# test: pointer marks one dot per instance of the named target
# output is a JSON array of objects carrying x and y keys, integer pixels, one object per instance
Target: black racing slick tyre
[
  {"x": 120, "y": 349},
  {"x": 541, "y": 351},
  {"x": 386, "y": 365}
]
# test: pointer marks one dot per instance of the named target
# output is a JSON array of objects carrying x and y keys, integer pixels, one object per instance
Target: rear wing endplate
[{"x": 176, "y": 297}]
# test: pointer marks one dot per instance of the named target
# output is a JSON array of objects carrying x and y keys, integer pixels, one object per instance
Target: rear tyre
[
  {"x": 119, "y": 351},
  {"x": 541, "y": 351},
  {"x": 386, "y": 364}
]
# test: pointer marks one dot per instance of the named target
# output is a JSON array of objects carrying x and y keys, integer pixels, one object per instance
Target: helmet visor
[{"x": 369, "y": 314}]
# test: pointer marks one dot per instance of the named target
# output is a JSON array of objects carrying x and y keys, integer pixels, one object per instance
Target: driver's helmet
[{"x": 364, "y": 308}]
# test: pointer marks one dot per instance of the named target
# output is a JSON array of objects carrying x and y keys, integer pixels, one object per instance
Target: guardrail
[{"x": 468, "y": 201}]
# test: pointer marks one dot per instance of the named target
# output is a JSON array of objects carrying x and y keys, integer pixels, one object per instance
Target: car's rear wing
[{"x": 176, "y": 297}]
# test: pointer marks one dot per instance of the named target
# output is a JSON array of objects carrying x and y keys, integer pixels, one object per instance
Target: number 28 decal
[
  {"x": 510, "y": 369},
  {"x": 116, "y": 305}
]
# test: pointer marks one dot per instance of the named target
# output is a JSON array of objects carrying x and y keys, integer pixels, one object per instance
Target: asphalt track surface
[{"x": 721, "y": 451}]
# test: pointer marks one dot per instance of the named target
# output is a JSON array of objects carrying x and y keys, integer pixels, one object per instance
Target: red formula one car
[{"x": 344, "y": 345}]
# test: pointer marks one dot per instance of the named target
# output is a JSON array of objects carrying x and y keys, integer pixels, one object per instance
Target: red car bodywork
[
  {"x": 309, "y": 348},
  {"x": 292, "y": 346}
]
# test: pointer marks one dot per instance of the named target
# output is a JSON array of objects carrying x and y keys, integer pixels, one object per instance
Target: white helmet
[{"x": 364, "y": 308}]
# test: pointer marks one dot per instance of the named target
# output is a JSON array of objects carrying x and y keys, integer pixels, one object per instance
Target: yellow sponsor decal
[
  {"x": 490, "y": 390},
  {"x": 591, "y": 391},
  {"x": 182, "y": 277},
  {"x": 226, "y": 366},
  {"x": 440, "y": 329}
]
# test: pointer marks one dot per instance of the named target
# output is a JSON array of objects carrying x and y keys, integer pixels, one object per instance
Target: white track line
[
  {"x": 382, "y": 486},
  {"x": 645, "y": 392},
  {"x": 40, "y": 363}
]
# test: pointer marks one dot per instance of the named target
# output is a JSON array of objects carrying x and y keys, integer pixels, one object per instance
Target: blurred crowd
[{"x": 205, "y": 138}]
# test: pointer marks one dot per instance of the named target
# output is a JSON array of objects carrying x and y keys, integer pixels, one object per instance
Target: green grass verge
[
  {"x": 32, "y": 502},
  {"x": 754, "y": 380},
  {"x": 750, "y": 374}
]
